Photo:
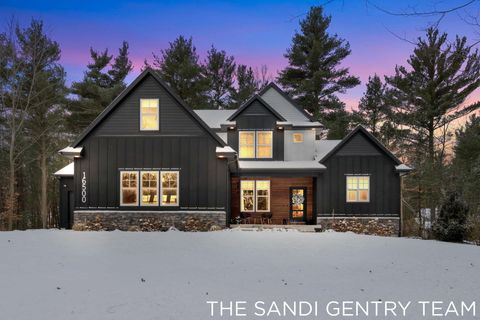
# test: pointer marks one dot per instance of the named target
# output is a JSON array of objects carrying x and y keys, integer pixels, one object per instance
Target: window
[
  {"x": 263, "y": 195},
  {"x": 128, "y": 188},
  {"x": 248, "y": 195},
  {"x": 255, "y": 144},
  {"x": 255, "y": 195},
  {"x": 358, "y": 188},
  {"x": 149, "y": 188},
  {"x": 264, "y": 144},
  {"x": 297, "y": 137},
  {"x": 246, "y": 144},
  {"x": 169, "y": 188},
  {"x": 149, "y": 114}
]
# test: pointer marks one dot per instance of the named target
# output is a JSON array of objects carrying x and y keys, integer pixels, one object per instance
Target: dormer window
[
  {"x": 149, "y": 115},
  {"x": 255, "y": 144}
]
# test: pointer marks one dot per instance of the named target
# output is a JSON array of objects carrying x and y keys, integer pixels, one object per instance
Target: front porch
[
  {"x": 272, "y": 201},
  {"x": 288, "y": 227}
]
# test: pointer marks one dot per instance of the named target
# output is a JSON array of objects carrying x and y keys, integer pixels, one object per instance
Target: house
[{"x": 148, "y": 162}]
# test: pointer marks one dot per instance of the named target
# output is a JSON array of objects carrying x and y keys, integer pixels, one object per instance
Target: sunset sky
[{"x": 255, "y": 32}]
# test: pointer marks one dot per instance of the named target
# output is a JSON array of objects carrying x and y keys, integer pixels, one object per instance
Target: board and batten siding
[
  {"x": 181, "y": 144},
  {"x": 359, "y": 156},
  {"x": 257, "y": 117}
]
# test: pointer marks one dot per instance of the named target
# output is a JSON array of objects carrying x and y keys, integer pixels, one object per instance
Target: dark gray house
[{"x": 149, "y": 162}]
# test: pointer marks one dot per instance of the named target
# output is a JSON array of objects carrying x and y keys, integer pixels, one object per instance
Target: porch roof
[{"x": 280, "y": 166}]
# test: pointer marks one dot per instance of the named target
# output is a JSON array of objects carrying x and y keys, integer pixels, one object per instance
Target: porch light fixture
[
  {"x": 280, "y": 128},
  {"x": 231, "y": 128}
]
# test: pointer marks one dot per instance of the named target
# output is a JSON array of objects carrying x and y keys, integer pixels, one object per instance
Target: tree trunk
[
  {"x": 11, "y": 200},
  {"x": 43, "y": 185}
]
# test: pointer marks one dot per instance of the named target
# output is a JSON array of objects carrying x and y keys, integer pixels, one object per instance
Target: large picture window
[
  {"x": 264, "y": 144},
  {"x": 128, "y": 188},
  {"x": 255, "y": 195},
  {"x": 255, "y": 144},
  {"x": 149, "y": 115},
  {"x": 358, "y": 188},
  {"x": 169, "y": 188},
  {"x": 149, "y": 188}
]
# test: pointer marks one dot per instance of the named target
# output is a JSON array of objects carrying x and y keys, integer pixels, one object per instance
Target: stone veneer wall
[
  {"x": 374, "y": 226},
  {"x": 149, "y": 220}
]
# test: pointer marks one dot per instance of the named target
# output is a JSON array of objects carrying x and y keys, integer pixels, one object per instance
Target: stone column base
[
  {"x": 384, "y": 226},
  {"x": 148, "y": 220}
]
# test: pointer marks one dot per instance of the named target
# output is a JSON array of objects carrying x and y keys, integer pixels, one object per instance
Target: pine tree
[
  {"x": 314, "y": 75},
  {"x": 429, "y": 95},
  {"x": 466, "y": 163},
  {"x": 100, "y": 85},
  {"x": 451, "y": 224},
  {"x": 179, "y": 67},
  {"x": 220, "y": 74},
  {"x": 337, "y": 121},
  {"x": 247, "y": 86}
]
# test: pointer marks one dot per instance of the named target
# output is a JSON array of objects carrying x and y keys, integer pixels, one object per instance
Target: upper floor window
[
  {"x": 255, "y": 144},
  {"x": 358, "y": 188},
  {"x": 149, "y": 115},
  {"x": 297, "y": 137},
  {"x": 264, "y": 144}
]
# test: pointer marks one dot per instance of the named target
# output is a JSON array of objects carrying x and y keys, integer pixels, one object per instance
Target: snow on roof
[
  {"x": 280, "y": 165},
  {"x": 300, "y": 124},
  {"x": 215, "y": 118},
  {"x": 323, "y": 147},
  {"x": 226, "y": 149},
  {"x": 70, "y": 152},
  {"x": 66, "y": 171},
  {"x": 403, "y": 167}
]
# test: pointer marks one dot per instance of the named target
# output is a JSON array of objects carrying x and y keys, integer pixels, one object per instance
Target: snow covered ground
[{"x": 126, "y": 275}]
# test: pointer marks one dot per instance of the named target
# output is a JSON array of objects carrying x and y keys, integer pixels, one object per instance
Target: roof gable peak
[{"x": 258, "y": 98}]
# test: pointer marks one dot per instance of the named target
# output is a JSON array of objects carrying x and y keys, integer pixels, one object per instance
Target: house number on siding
[{"x": 84, "y": 187}]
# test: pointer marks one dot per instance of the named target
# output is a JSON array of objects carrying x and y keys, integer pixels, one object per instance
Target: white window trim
[
  {"x": 121, "y": 190},
  {"x": 158, "y": 115},
  {"x": 161, "y": 189},
  {"x": 256, "y": 196},
  {"x": 357, "y": 189},
  {"x": 241, "y": 196},
  {"x": 141, "y": 190},
  {"x": 263, "y": 145},
  {"x": 300, "y": 134},
  {"x": 254, "y": 143}
]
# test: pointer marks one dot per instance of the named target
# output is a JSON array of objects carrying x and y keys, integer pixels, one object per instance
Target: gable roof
[
  {"x": 126, "y": 91},
  {"x": 254, "y": 98},
  {"x": 370, "y": 136},
  {"x": 275, "y": 87}
]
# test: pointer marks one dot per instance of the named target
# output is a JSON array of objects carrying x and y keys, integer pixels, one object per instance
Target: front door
[{"x": 298, "y": 204}]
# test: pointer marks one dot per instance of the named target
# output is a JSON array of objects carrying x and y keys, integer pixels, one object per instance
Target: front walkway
[{"x": 255, "y": 227}]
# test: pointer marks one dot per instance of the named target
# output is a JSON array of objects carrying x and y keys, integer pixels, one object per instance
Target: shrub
[{"x": 451, "y": 223}]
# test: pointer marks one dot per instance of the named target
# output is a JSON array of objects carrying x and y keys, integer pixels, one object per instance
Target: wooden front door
[{"x": 298, "y": 204}]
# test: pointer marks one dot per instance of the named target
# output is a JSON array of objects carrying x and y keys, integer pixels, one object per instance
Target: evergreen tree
[
  {"x": 46, "y": 117},
  {"x": 337, "y": 121},
  {"x": 220, "y": 74},
  {"x": 314, "y": 75},
  {"x": 247, "y": 86},
  {"x": 373, "y": 109},
  {"x": 466, "y": 163},
  {"x": 428, "y": 96},
  {"x": 451, "y": 224},
  {"x": 100, "y": 85},
  {"x": 179, "y": 67}
]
